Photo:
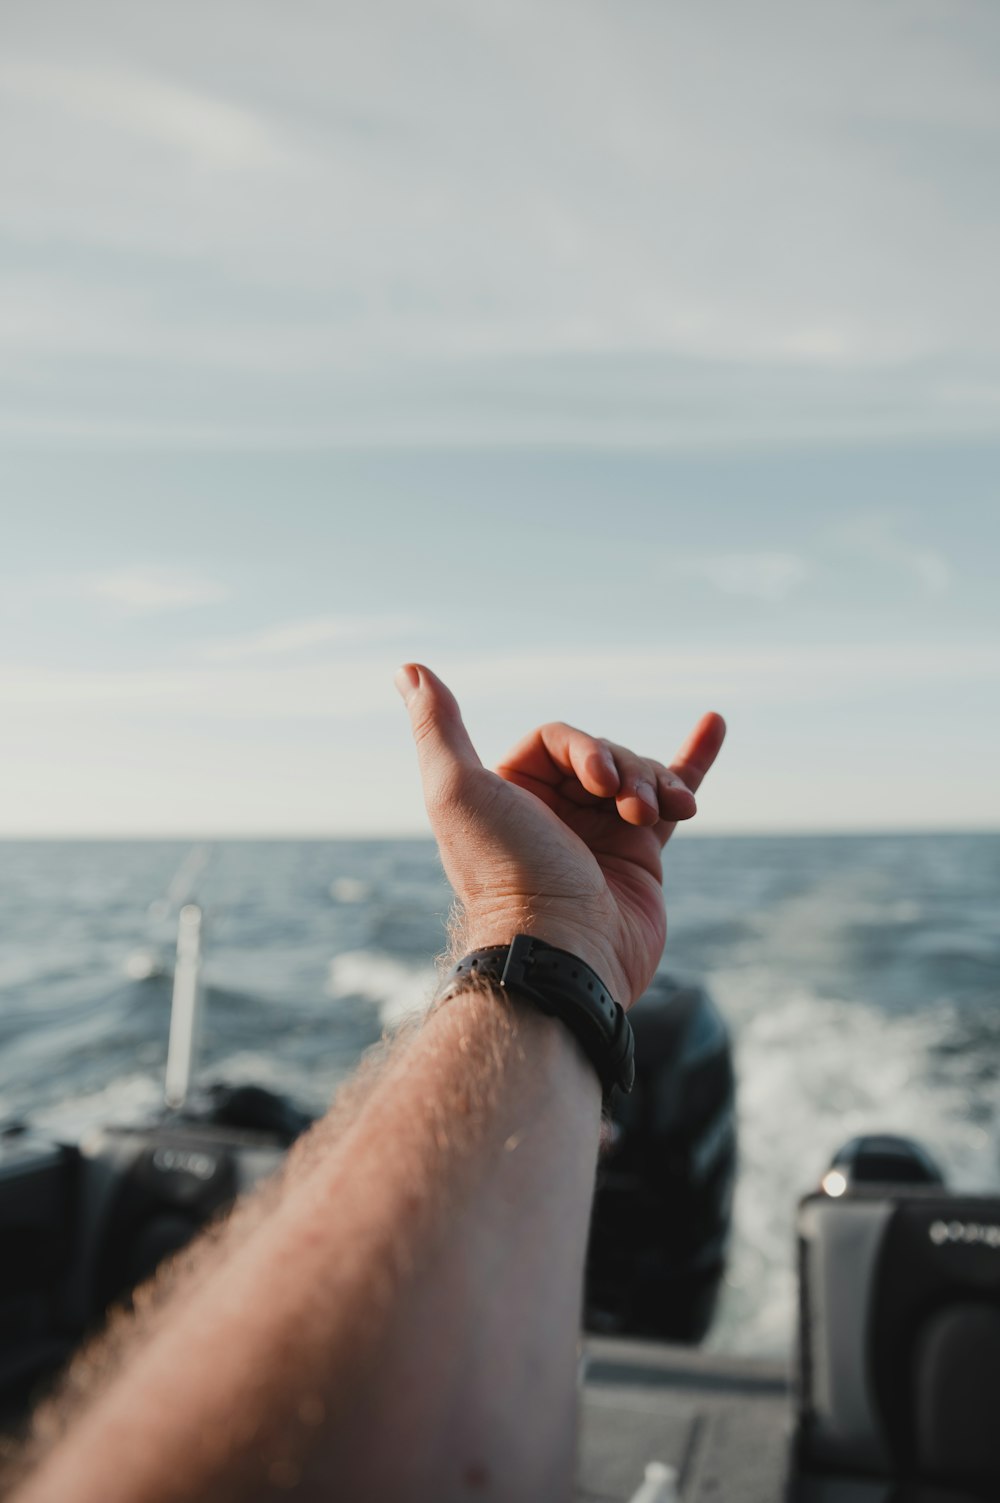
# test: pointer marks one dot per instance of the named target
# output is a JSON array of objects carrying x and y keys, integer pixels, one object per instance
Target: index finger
[{"x": 700, "y": 750}]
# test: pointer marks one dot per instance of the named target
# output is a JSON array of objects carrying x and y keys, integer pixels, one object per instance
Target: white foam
[
  {"x": 812, "y": 1072},
  {"x": 397, "y": 989},
  {"x": 284, "y": 1077},
  {"x": 147, "y": 963},
  {"x": 130, "y": 1098},
  {"x": 350, "y": 890}
]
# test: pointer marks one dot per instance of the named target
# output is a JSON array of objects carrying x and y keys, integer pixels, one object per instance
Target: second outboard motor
[
  {"x": 662, "y": 1210},
  {"x": 899, "y": 1339}
]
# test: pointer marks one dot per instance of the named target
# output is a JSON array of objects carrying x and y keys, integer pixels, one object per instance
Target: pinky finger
[{"x": 700, "y": 750}]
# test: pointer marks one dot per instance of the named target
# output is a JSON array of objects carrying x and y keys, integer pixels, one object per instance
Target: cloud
[
  {"x": 757, "y": 576},
  {"x": 142, "y": 591},
  {"x": 298, "y": 636},
  {"x": 203, "y": 126},
  {"x": 352, "y": 688},
  {"x": 777, "y": 253},
  {"x": 931, "y": 569},
  {"x": 878, "y": 537}
]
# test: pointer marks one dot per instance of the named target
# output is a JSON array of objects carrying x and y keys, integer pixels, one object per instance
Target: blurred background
[{"x": 620, "y": 362}]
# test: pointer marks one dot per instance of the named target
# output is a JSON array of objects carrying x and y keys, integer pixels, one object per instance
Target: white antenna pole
[{"x": 185, "y": 1007}]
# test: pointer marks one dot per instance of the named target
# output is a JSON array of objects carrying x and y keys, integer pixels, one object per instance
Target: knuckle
[
  {"x": 448, "y": 788},
  {"x": 440, "y": 793}
]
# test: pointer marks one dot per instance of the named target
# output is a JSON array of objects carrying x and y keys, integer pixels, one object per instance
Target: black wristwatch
[{"x": 564, "y": 987}]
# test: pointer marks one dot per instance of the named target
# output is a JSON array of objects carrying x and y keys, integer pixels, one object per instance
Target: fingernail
[
  {"x": 647, "y": 793},
  {"x": 407, "y": 681}
]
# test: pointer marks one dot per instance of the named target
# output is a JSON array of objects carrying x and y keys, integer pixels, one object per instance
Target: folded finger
[
  {"x": 638, "y": 798},
  {"x": 676, "y": 799},
  {"x": 556, "y": 751}
]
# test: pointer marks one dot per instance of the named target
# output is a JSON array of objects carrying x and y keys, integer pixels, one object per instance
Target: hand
[{"x": 563, "y": 841}]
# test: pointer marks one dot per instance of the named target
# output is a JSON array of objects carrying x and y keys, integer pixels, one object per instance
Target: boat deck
[{"x": 723, "y": 1423}]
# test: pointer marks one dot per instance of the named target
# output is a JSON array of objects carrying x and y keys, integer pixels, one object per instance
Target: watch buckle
[{"x": 518, "y": 959}]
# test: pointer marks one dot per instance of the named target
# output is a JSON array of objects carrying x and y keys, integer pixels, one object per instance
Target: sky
[{"x": 619, "y": 361}]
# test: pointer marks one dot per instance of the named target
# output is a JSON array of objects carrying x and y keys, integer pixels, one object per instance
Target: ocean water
[{"x": 860, "y": 977}]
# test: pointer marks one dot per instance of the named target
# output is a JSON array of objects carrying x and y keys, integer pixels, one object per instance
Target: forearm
[{"x": 403, "y": 1323}]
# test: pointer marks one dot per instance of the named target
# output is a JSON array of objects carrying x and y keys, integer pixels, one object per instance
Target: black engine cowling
[{"x": 662, "y": 1210}]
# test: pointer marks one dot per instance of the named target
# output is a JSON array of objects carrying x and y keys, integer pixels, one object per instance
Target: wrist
[
  {"x": 503, "y": 1013},
  {"x": 561, "y": 985},
  {"x": 481, "y": 931}
]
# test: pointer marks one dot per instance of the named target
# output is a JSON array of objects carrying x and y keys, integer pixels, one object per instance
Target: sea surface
[{"x": 860, "y": 977}]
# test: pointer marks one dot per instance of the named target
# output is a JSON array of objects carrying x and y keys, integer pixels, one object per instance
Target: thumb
[{"x": 443, "y": 745}]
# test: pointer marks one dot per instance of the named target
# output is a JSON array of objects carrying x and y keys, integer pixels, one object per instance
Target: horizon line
[{"x": 331, "y": 836}]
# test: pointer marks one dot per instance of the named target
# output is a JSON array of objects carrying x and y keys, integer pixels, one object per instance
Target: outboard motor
[
  {"x": 662, "y": 1210},
  {"x": 899, "y": 1339},
  {"x": 38, "y": 1180},
  {"x": 81, "y": 1226},
  {"x": 147, "y": 1190}
]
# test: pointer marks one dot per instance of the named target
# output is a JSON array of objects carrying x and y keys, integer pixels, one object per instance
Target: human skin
[{"x": 401, "y": 1319}]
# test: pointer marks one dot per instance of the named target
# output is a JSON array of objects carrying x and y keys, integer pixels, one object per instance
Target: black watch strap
[{"x": 564, "y": 987}]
